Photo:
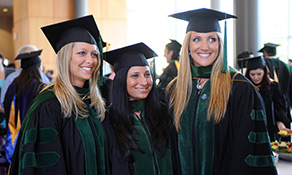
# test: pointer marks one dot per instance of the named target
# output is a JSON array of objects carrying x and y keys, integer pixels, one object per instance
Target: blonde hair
[
  {"x": 182, "y": 85},
  {"x": 66, "y": 94}
]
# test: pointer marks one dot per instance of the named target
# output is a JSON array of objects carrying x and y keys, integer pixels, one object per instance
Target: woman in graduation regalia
[
  {"x": 137, "y": 122},
  {"x": 62, "y": 133},
  {"x": 272, "y": 95},
  {"x": 20, "y": 95},
  {"x": 217, "y": 112}
]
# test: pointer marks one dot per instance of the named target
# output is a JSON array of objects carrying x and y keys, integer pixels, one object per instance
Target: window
[{"x": 276, "y": 26}]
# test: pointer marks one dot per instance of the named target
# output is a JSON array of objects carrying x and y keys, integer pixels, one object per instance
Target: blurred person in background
[
  {"x": 20, "y": 95},
  {"x": 277, "y": 118},
  {"x": 4, "y": 72},
  {"x": 171, "y": 53}
]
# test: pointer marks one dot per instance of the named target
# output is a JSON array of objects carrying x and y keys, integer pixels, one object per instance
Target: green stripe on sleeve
[
  {"x": 43, "y": 135},
  {"x": 260, "y": 137},
  {"x": 260, "y": 161},
  {"x": 40, "y": 160}
]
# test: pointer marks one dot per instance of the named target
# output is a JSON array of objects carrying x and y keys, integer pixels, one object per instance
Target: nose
[
  {"x": 204, "y": 45},
  {"x": 89, "y": 59},
  {"x": 143, "y": 81}
]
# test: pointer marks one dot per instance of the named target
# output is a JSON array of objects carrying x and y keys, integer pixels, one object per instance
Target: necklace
[{"x": 200, "y": 82}]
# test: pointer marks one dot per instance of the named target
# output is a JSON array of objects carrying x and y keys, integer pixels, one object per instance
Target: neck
[
  {"x": 137, "y": 106},
  {"x": 202, "y": 72}
]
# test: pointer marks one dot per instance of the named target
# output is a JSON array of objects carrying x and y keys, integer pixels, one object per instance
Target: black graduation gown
[
  {"x": 237, "y": 145},
  {"x": 169, "y": 73},
  {"x": 105, "y": 90},
  {"x": 16, "y": 108},
  {"x": 282, "y": 71},
  {"x": 275, "y": 109},
  {"x": 146, "y": 162},
  {"x": 51, "y": 144}
]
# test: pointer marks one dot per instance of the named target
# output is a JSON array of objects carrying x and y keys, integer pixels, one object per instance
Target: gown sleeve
[
  {"x": 242, "y": 143},
  {"x": 39, "y": 148},
  {"x": 280, "y": 105},
  {"x": 118, "y": 164}
]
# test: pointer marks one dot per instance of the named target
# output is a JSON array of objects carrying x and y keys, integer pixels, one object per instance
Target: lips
[
  {"x": 86, "y": 69},
  {"x": 142, "y": 89},
  {"x": 204, "y": 55}
]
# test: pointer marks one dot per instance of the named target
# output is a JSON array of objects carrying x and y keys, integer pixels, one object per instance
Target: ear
[{"x": 171, "y": 52}]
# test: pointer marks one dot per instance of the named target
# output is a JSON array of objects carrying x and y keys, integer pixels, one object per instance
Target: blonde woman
[
  {"x": 62, "y": 133},
  {"x": 217, "y": 112}
]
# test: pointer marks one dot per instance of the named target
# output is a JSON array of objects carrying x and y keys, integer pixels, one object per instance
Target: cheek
[
  {"x": 95, "y": 62},
  {"x": 262, "y": 76},
  {"x": 252, "y": 77},
  {"x": 150, "y": 82},
  {"x": 193, "y": 46},
  {"x": 130, "y": 83},
  {"x": 215, "y": 47}
]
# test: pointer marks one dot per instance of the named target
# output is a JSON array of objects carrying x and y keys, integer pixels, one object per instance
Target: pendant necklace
[{"x": 200, "y": 82}]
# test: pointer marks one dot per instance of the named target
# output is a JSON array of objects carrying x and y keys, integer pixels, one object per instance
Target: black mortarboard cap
[
  {"x": 255, "y": 63},
  {"x": 174, "y": 45},
  {"x": 29, "y": 58},
  {"x": 203, "y": 20},
  {"x": 133, "y": 55},
  {"x": 241, "y": 58},
  {"x": 83, "y": 29},
  {"x": 270, "y": 48}
]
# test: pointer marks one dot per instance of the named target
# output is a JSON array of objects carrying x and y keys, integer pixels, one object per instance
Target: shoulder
[
  {"x": 239, "y": 78},
  {"x": 46, "y": 101},
  {"x": 241, "y": 84},
  {"x": 13, "y": 75},
  {"x": 46, "y": 113},
  {"x": 8, "y": 71}
]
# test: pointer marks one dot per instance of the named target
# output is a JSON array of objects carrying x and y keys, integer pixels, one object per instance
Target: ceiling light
[{"x": 5, "y": 10}]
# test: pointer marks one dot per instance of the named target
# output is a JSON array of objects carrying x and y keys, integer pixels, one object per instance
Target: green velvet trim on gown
[
  {"x": 42, "y": 135},
  {"x": 204, "y": 134},
  {"x": 88, "y": 142},
  {"x": 93, "y": 148},
  {"x": 203, "y": 72},
  {"x": 261, "y": 137},
  {"x": 137, "y": 106},
  {"x": 260, "y": 161},
  {"x": 144, "y": 162},
  {"x": 40, "y": 160}
]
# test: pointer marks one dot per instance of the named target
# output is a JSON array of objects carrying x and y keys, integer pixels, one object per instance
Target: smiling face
[
  {"x": 139, "y": 82},
  {"x": 84, "y": 61},
  {"x": 257, "y": 75},
  {"x": 204, "y": 48}
]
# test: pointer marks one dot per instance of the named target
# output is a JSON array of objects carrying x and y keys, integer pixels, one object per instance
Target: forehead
[
  {"x": 258, "y": 70},
  {"x": 208, "y": 34},
  {"x": 84, "y": 45},
  {"x": 139, "y": 69}
]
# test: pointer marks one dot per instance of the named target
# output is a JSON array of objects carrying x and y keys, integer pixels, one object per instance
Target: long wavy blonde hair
[
  {"x": 182, "y": 85},
  {"x": 66, "y": 94}
]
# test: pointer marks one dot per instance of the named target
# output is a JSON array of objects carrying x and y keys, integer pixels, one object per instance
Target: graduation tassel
[
  {"x": 100, "y": 76},
  {"x": 225, "y": 64},
  {"x": 154, "y": 70}
]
